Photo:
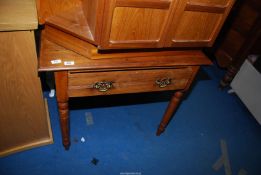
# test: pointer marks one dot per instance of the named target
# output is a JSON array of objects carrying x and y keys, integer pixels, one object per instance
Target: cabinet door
[
  {"x": 135, "y": 23},
  {"x": 196, "y": 23}
]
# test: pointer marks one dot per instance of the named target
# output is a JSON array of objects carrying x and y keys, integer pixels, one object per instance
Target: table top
[
  {"x": 18, "y": 15},
  {"x": 51, "y": 52}
]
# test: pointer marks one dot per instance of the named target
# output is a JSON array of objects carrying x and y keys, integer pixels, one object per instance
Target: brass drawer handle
[
  {"x": 163, "y": 82},
  {"x": 103, "y": 86}
]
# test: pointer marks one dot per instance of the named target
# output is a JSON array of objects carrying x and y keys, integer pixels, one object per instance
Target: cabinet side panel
[
  {"x": 22, "y": 114},
  {"x": 90, "y": 12},
  {"x": 93, "y": 11},
  {"x": 48, "y": 8}
]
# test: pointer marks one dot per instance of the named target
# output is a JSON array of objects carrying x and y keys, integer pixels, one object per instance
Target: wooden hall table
[
  {"x": 174, "y": 70},
  {"x": 80, "y": 37}
]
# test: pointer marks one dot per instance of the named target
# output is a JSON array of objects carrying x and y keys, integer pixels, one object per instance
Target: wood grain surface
[
  {"x": 196, "y": 23},
  {"x": 72, "y": 22},
  {"x": 61, "y": 83},
  {"x": 88, "y": 50},
  {"x": 211, "y": 2},
  {"x": 131, "y": 81},
  {"x": 48, "y": 8},
  {"x": 18, "y": 15},
  {"x": 23, "y": 119},
  {"x": 51, "y": 51},
  {"x": 125, "y": 24},
  {"x": 94, "y": 10},
  {"x": 130, "y": 24},
  {"x": 135, "y": 24}
]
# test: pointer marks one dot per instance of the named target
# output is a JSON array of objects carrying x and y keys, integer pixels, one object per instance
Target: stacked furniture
[
  {"x": 24, "y": 120},
  {"x": 105, "y": 47}
]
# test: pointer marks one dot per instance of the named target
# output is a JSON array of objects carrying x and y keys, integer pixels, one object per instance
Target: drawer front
[{"x": 120, "y": 82}]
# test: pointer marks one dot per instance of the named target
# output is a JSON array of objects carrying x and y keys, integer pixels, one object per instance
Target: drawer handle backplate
[
  {"x": 163, "y": 82},
  {"x": 103, "y": 86}
]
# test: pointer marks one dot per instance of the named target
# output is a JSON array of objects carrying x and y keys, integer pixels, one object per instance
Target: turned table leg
[
  {"x": 61, "y": 82},
  {"x": 173, "y": 104}
]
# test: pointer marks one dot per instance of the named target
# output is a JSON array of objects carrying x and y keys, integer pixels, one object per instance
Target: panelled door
[
  {"x": 135, "y": 23},
  {"x": 196, "y": 23}
]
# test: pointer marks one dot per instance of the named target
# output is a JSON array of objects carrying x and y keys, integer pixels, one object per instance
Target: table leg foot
[
  {"x": 231, "y": 72},
  {"x": 66, "y": 147},
  {"x": 160, "y": 130},
  {"x": 173, "y": 104}
]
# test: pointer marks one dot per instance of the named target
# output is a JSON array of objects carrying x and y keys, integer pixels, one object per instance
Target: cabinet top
[{"x": 18, "y": 15}]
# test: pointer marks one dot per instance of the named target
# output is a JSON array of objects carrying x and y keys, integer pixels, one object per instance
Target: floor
[{"x": 116, "y": 136}]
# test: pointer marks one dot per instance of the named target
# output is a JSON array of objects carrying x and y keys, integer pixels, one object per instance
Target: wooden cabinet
[
  {"x": 121, "y": 24},
  {"x": 159, "y": 23}
]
